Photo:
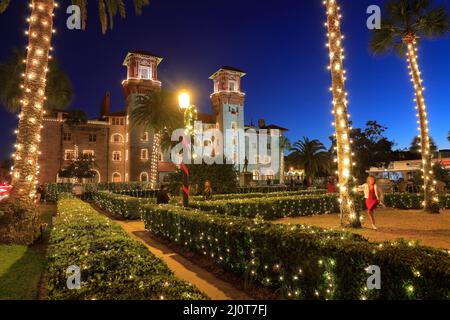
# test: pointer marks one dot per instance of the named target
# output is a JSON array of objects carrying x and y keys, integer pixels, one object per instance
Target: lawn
[{"x": 21, "y": 266}]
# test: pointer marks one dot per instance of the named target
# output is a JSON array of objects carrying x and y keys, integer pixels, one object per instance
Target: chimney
[
  {"x": 105, "y": 105},
  {"x": 261, "y": 123}
]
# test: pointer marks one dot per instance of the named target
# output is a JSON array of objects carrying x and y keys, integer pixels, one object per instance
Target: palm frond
[{"x": 4, "y": 5}]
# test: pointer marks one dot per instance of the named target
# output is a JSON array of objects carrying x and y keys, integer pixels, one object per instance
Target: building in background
[{"x": 123, "y": 153}]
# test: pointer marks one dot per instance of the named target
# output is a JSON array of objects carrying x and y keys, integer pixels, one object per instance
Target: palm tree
[
  {"x": 34, "y": 86},
  {"x": 58, "y": 89},
  {"x": 312, "y": 156},
  {"x": 157, "y": 111},
  {"x": 40, "y": 34},
  {"x": 405, "y": 23},
  {"x": 415, "y": 147},
  {"x": 285, "y": 145},
  {"x": 349, "y": 214},
  {"x": 448, "y": 138}
]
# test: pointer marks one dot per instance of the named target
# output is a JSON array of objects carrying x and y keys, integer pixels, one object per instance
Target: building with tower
[{"x": 122, "y": 152}]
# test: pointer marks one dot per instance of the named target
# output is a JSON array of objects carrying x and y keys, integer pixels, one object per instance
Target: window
[
  {"x": 117, "y": 138},
  {"x": 145, "y": 72},
  {"x": 255, "y": 175},
  {"x": 118, "y": 121},
  {"x": 234, "y": 125},
  {"x": 144, "y": 177},
  {"x": 67, "y": 136},
  {"x": 89, "y": 153},
  {"x": 117, "y": 156},
  {"x": 144, "y": 137},
  {"x": 232, "y": 86},
  {"x": 216, "y": 86},
  {"x": 160, "y": 157},
  {"x": 69, "y": 154},
  {"x": 92, "y": 138},
  {"x": 116, "y": 177},
  {"x": 144, "y": 154}
]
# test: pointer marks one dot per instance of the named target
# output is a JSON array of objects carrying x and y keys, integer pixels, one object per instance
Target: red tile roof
[{"x": 164, "y": 166}]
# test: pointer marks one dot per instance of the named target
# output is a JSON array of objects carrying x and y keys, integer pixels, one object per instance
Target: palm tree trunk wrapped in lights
[
  {"x": 26, "y": 168},
  {"x": 155, "y": 161},
  {"x": 430, "y": 196},
  {"x": 349, "y": 214}
]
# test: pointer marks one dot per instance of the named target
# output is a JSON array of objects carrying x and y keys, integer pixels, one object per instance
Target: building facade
[{"x": 122, "y": 152}]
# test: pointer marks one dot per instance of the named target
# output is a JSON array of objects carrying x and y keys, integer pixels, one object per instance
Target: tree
[
  {"x": 448, "y": 138},
  {"x": 349, "y": 213},
  {"x": 415, "y": 146},
  {"x": 404, "y": 24},
  {"x": 285, "y": 145},
  {"x": 76, "y": 118},
  {"x": 311, "y": 156},
  {"x": 25, "y": 168},
  {"x": 157, "y": 111},
  {"x": 79, "y": 168}
]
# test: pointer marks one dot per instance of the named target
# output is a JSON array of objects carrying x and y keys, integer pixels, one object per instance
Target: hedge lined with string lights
[
  {"x": 412, "y": 201},
  {"x": 304, "y": 262},
  {"x": 272, "y": 208},
  {"x": 121, "y": 206},
  {"x": 261, "y": 195},
  {"x": 113, "y": 266},
  {"x": 52, "y": 190}
]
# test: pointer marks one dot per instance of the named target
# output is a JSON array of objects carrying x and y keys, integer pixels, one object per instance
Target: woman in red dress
[{"x": 372, "y": 196}]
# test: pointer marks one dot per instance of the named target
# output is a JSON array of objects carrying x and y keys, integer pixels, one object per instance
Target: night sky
[{"x": 281, "y": 46}]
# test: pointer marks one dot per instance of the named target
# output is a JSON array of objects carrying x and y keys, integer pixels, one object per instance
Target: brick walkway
[{"x": 205, "y": 281}]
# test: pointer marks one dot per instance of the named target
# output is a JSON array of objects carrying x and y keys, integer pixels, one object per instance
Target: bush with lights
[
  {"x": 304, "y": 262},
  {"x": 261, "y": 194},
  {"x": 412, "y": 201},
  {"x": 121, "y": 206},
  {"x": 272, "y": 208},
  {"x": 113, "y": 266}
]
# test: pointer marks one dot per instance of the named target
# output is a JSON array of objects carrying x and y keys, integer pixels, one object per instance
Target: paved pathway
[{"x": 183, "y": 268}]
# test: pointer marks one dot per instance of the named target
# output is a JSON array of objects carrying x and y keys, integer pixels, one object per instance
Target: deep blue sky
[{"x": 281, "y": 46}]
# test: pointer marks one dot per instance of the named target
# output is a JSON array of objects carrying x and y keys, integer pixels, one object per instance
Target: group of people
[{"x": 162, "y": 197}]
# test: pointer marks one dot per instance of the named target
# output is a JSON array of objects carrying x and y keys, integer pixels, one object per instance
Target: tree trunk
[
  {"x": 26, "y": 167},
  {"x": 430, "y": 203},
  {"x": 349, "y": 215},
  {"x": 155, "y": 160}
]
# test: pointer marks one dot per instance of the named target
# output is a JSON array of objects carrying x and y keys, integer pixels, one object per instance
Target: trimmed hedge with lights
[
  {"x": 113, "y": 266},
  {"x": 272, "y": 208},
  {"x": 303, "y": 262},
  {"x": 412, "y": 200},
  {"x": 261, "y": 195},
  {"x": 121, "y": 206}
]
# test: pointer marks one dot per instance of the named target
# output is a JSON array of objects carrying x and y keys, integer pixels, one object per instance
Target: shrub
[
  {"x": 302, "y": 262},
  {"x": 121, "y": 206},
  {"x": 260, "y": 195},
  {"x": 412, "y": 200},
  {"x": 272, "y": 208},
  {"x": 113, "y": 266}
]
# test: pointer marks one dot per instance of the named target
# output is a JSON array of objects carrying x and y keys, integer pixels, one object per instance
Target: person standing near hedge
[
  {"x": 162, "y": 197},
  {"x": 372, "y": 194},
  {"x": 207, "y": 191}
]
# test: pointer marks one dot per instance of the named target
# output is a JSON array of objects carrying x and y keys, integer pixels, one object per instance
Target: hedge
[
  {"x": 272, "y": 208},
  {"x": 261, "y": 195},
  {"x": 121, "y": 206},
  {"x": 52, "y": 190},
  {"x": 113, "y": 266},
  {"x": 303, "y": 262},
  {"x": 412, "y": 200}
]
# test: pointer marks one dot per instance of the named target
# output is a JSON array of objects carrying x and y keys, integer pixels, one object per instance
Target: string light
[
  {"x": 349, "y": 215},
  {"x": 26, "y": 169},
  {"x": 430, "y": 202}
]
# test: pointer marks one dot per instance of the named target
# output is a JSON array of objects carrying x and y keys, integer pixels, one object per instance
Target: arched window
[
  {"x": 116, "y": 177},
  {"x": 117, "y": 138},
  {"x": 144, "y": 177},
  {"x": 255, "y": 175}
]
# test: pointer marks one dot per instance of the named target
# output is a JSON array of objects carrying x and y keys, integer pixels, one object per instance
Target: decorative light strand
[
  {"x": 349, "y": 215},
  {"x": 26, "y": 168}
]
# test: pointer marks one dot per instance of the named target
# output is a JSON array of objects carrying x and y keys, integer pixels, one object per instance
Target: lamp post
[{"x": 190, "y": 115}]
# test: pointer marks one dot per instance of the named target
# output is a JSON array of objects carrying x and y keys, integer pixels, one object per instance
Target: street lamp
[{"x": 190, "y": 115}]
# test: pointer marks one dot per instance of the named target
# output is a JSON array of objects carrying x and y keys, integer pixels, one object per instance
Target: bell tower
[
  {"x": 142, "y": 78},
  {"x": 228, "y": 105}
]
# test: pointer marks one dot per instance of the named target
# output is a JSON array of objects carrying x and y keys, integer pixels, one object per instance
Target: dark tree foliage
[
  {"x": 415, "y": 145},
  {"x": 223, "y": 178},
  {"x": 76, "y": 117}
]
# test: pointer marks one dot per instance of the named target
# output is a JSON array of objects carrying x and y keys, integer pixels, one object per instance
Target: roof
[
  {"x": 227, "y": 68},
  {"x": 166, "y": 166},
  {"x": 144, "y": 53},
  {"x": 273, "y": 126},
  {"x": 116, "y": 114},
  {"x": 206, "y": 117}
]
